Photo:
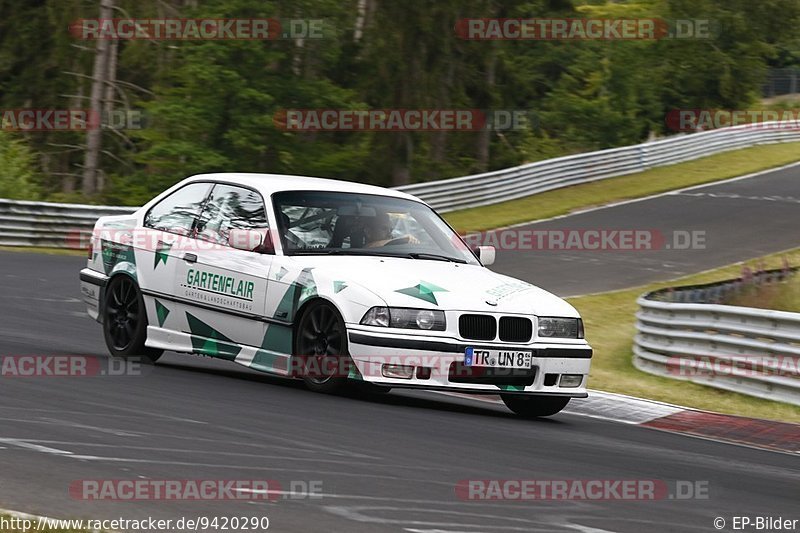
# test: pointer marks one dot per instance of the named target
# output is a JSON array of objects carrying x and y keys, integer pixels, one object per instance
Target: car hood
[{"x": 439, "y": 285}]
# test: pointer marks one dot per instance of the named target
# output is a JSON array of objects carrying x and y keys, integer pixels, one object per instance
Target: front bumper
[
  {"x": 92, "y": 285},
  {"x": 441, "y": 360}
]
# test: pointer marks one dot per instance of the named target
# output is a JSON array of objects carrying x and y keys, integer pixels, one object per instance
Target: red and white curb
[{"x": 752, "y": 432}]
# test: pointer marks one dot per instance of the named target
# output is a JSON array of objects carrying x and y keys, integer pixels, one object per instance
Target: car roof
[{"x": 268, "y": 184}]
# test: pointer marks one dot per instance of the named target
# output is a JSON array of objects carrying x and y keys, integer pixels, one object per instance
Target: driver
[{"x": 378, "y": 232}]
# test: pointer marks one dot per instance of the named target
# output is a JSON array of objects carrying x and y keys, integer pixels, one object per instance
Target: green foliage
[
  {"x": 212, "y": 105},
  {"x": 17, "y": 170}
]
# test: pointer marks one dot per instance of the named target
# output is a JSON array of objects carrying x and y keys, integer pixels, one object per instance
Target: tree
[
  {"x": 17, "y": 169},
  {"x": 101, "y": 74}
]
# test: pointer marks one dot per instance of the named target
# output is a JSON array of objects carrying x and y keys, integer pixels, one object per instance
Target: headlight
[
  {"x": 377, "y": 316},
  {"x": 401, "y": 317},
  {"x": 560, "y": 328}
]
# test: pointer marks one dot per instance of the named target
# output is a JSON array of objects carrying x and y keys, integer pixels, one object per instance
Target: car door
[
  {"x": 167, "y": 229},
  {"x": 223, "y": 289}
]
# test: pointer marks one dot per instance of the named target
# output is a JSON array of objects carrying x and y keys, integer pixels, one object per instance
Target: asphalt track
[
  {"x": 739, "y": 219},
  {"x": 387, "y": 463}
]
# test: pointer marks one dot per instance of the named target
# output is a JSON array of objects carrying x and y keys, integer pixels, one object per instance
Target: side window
[
  {"x": 230, "y": 207},
  {"x": 177, "y": 212}
]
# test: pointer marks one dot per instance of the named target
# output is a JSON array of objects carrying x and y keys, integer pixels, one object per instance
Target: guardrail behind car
[
  {"x": 50, "y": 225},
  {"x": 685, "y": 333},
  {"x": 68, "y": 225},
  {"x": 517, "y": 182}
]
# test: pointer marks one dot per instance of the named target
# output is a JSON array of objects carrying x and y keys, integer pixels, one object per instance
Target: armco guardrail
[
  {"x": 67, "y": 225},
  {"x": 518, "y": 182},
  {"x": 742, "y": 349},
  {"x": 50, "y": 225}
]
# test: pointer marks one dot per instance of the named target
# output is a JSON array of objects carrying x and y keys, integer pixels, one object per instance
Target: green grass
[
  {"x": 780, "y": 297},
  {"x": 42, "y": 250},
  {"x": 610, "y": 327},
  {"x": 654, "y": 181}
]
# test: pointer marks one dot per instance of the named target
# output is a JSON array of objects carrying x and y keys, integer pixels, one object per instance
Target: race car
[{"x": 330, "y": 282}]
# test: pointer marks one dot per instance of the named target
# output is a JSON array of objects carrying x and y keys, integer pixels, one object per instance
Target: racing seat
[
  {"x": 343, "y": 228},
  {"x": 292, "y": 240}
]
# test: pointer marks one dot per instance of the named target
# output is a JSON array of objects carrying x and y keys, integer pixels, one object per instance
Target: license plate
[{"x": 497, "y": 358}]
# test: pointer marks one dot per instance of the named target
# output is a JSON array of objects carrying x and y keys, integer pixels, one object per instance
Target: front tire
[
  {"x": 531, "y": 406},
  {"x": 322, "y": 345},
  {"x": 125, "y": 321}
]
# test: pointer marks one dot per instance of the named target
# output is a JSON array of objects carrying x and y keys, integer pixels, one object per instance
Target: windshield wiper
[
  {"x": 343, "y": 251},
  {"x": 435, "y": 257},
  {"x": 311, "y": 251},
  {"x": 348, "y": 251}
]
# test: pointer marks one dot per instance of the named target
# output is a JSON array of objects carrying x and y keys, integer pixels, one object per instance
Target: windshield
[{"x": 320, "y": 223}]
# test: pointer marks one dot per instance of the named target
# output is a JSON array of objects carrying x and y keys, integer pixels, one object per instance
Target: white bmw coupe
[{"x": 329, "y": 282}]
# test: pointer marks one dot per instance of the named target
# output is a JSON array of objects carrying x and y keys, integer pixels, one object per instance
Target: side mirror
[
  {"x": 251, "y": 240},
  {"x": 486, "y": 254}
]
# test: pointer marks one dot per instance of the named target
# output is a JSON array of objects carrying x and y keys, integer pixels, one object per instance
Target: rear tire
[
  {"x": 531, "y": 406},
  {"x": 125, "y": 321},
  {"x": 321, "y": 341}
]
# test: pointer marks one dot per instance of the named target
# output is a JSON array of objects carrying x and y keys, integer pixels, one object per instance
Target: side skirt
[{"x": 249, "y": 356}]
